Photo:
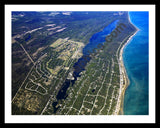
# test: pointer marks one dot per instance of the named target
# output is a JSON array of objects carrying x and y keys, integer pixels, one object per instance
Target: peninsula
[{"x": 69, "y": 63}]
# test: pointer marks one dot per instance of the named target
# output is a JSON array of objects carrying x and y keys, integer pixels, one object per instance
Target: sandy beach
[{"x": 124, "y": 81}]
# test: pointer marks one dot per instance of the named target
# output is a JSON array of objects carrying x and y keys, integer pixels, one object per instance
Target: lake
[{"x": 79, "y": 66}]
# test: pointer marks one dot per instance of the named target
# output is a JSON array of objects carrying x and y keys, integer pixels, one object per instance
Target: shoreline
[
  {"x": 124, "y": 80},
  {"x": 124, "y": 73}
]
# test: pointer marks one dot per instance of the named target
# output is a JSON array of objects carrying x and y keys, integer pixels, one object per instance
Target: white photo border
[{"x": 79, "y": 119}]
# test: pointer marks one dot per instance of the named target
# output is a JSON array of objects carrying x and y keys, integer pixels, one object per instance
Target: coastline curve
[{"x": 124, "y": 80}]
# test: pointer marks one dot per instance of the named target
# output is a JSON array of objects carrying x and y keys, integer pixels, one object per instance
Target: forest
[{"x": 46, "y": 46}]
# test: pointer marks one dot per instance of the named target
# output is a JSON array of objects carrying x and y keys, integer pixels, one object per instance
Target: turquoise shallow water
[{"x": 136, "y": 59}]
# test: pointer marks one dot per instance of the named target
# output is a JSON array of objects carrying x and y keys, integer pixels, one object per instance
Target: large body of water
[
  {"x": 136, "y": 59},
  {"x": 79, "y": 66}
]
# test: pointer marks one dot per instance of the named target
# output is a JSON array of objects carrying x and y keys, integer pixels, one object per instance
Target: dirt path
[{"x": 27, "y": 54}]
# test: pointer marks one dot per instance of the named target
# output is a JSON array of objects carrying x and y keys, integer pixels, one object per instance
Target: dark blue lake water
[
  {"x": 99, "y": 38},
  {"x": 79, "y": 66},
  {"x": 135, "y": 58}
]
